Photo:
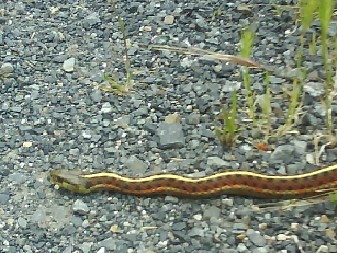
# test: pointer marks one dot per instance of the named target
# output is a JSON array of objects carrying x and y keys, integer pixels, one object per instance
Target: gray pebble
[
  {"x": 22, "y": 222},
  {"x": 170, "y": 136},
  {"x": 217, "y": 162},
  {"x": 4, "y": 198},
  {"x": 241, "y": 248},
  {"x": 96, "y": 96},
  {"x": 283, "y": 153},
  {"x": 256, "y": 238},
  {"x": 171, "y": 199},
  {"x": 80, "y": 207},
  {"x": 108, "y": 244},
  {"x": 106, "y": 108},
  {"x": 92, "y": 19},
  {"x": 6, "y": 68},
  {"x": 69, "y": 64},
  {"x": 86, "y": 247},
  {"x": 179, "y": 226},
  {"x": 18, "y": 178},
  {"x": 315, "y": 89},
  {"x": 137, "y": 166},
  {"x": 212, "y": 212},
  {"x": 196, "y": 232}
]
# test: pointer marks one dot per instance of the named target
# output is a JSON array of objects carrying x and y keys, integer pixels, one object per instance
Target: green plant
[
  {"x": 313, "y": 44},
  {"x": 266, "y": 104},
  {"x": 114, "y": 86},
  {"x": 216, "y": 13},
  {"x": 325, "y": 11},
  {"x": 306, "y": 9},
  {"x": 227, "y": 134},
  {"x": 246, "y": 44},
  {"x": 307, "y": 13}
]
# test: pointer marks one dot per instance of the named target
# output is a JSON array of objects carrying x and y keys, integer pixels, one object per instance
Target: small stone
[
  {"x": 115, "y": 229},
  {"x": 4, "y": 198},
  {"x": 186, "y": 62},
  {"x": 178, "y": 226},
  {"x": 80, "y": 207},
  {"x": 227, "y": 201},
  {"x": 60, "y": 58},
  {"x": 6, "y": 68},
  {"x": 86, "y": 134},
  {"x": 212, "y": 211},
  {"x": 85, "y": 223},
  {"x": 22, "y": 222},
  {"x": 173, "y": 118},
  {"x": 197, "y": 217},
  {"x": 171, "y": 199},
  {"x": 68, "y": 65},
  {"x": 282, "y": 237},
  {"x": 216, "y": 162},
  {"x": 170, "y": 136},
  {"x": 315, "y": 89},
  {"x": 18, "y": 178},
  {"x": 330, "y": 233},
  {"x": 196, "y": 232},
  {"x": 300, "y": 147},
  {"x": 241, "y": 237},
  {"x": 294, "y": 226},
  {"x": 147, "y": 28},
  {"x": 5, "y": 106},
  {"x": 96, "y": 96},
  {"x": 276, "y": 80},
  {"x": 136, "y": 165},
  {"x": 101, "y": 250},
  {"x": 27, "y": 248},
  {"x": 16, "y": 108},
  {"x": 256, "y": 238},
  {"x": 240, "y": 226},
  {"x": 86, "y": 247},
  {"x": 106, "y": 108},
  {"x": 169, "y": 19},
  {"x": 323, "y": 249},
  {"x": 241, "y": 248},
  {"x": 263, "y": 226},
  {"x": 27, "y": 144},
  {"x": 92, "y": 19},
  {"x": 324, "y": 219},
  {"x": 193, "y": 119},
  {"x": 283, "y": 153}
]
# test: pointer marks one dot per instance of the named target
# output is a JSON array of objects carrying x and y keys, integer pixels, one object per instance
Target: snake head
[{"x": 71, "y": 180}]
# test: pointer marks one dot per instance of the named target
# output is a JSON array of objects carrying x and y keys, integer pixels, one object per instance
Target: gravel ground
[{"x": 53, "y": 115}]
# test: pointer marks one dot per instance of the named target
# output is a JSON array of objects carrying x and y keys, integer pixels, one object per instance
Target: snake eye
[{"x": 60, "y": 179}]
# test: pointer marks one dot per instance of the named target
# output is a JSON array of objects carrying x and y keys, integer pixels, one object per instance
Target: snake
[{"x": 241, "y": 183}]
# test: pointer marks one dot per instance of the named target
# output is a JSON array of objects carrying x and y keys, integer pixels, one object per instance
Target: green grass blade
[{"x": 307, "y": 10}]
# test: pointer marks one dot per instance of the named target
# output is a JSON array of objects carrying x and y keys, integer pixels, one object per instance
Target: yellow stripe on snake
[{"x": 243, "y": 183}]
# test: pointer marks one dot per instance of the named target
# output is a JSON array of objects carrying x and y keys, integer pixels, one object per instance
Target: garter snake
[{"x": 244, "y": 183}]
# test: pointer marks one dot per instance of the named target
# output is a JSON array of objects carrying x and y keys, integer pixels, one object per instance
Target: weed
[
  {"x": 227, "y": 134},
  {"x": 307, "y": 13},
  {"x": 266, "y": 105},
  {"x": 246, "y": 43},
  {"x": 114, "y": 86},
  {"x": 325, "y": 11}
]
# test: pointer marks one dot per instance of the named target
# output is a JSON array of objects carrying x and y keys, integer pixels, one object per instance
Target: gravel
[{"x": 53, "y": 55}]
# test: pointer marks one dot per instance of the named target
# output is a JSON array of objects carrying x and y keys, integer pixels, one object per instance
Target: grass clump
[
  {"x": 113, "y": 85},
  {"x": 309, "y": 10},
  {"x": 246, "y": 43},
  {"x": 227, "y": 134},
  {"x": 325, "y": 11},
  {"x": 305, "y": 12}
]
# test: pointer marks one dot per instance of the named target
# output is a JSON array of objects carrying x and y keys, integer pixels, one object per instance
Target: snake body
[{"x": 243, "y": 183}]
